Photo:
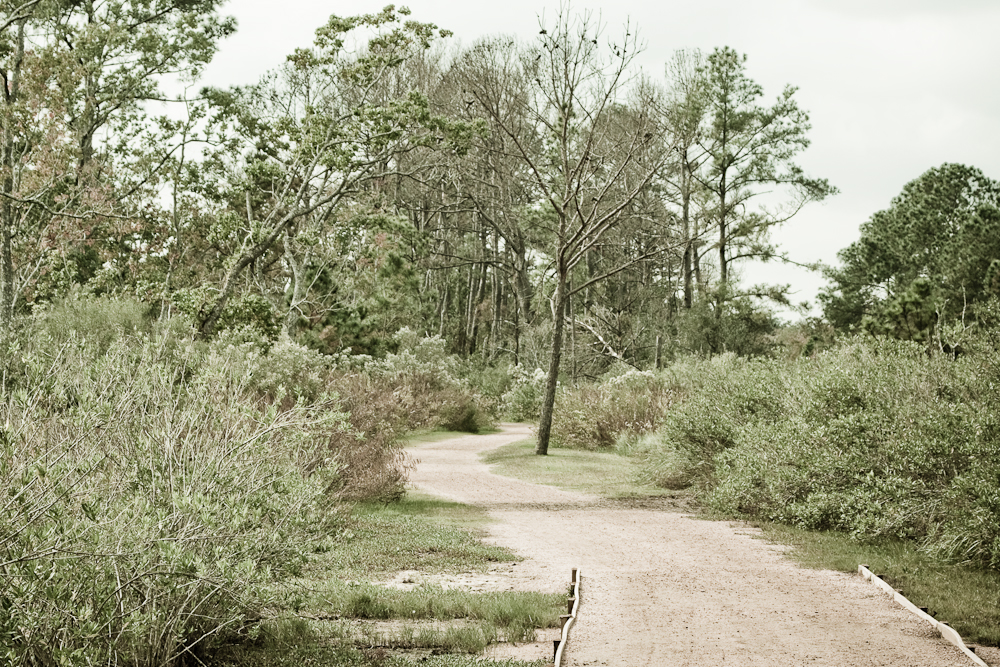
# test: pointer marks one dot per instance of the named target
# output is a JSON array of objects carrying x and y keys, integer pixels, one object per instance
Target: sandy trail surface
[{"x": 661, "y": 588}]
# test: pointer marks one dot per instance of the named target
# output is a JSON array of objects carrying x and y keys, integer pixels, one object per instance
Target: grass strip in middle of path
[{"x": 606, "y": 474}]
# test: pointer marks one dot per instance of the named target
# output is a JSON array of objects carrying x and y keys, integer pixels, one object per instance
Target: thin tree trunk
[
  {"x": 445, "y": 297},
  {"x": 572, "y": 329},
  {"x": 497, "y": 287},
  {"x": 686, "y": 266},
  {"x": 549, "y": 398},
  {"x": 8, "y": 211},
  {"x": 298, "y": 287}
]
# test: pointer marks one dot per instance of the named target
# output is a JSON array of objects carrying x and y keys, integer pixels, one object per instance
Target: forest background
[{"x": 246, "y": 301}]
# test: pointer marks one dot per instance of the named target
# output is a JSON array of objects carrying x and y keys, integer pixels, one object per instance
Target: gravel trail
[{"x": 661, "y": 588}]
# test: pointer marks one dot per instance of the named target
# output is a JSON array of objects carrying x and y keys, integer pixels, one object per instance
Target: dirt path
[{"x": 661, "y": 588}]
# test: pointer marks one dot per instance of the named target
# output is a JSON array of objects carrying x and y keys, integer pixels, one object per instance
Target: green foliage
[
  {"x": 626, "y": 403},
  {"x": 92, "y": 321},
  {"x": 157, "y": 487},
  {"x": 248, "y": 317},
  {"x": 419, "y": 356},
  {"x": 805, "y": 338},
  {"x": 423, "y": 365},
  {"x": 465, "y": 415},
  {"x": 144, "y": 516},
  {"x": 523, "y": 399},
  {"x": 921, "y": 262},
  {"x": 873, "y": 437},
  {"x": 720, "y": 396},
  {"x": 746, "y": 145},
  {"x": 724, "y": 323},
  {"x": 490, "y": 380}
]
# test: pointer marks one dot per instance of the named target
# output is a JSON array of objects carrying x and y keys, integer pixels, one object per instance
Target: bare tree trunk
[
  {"x": 8, "y": 212},
  {"x": 443, "y": 313},
  {"x": 686, "y": 266},
  {"x": 549, "y": 398},
  {"x": 496, "y": 331},
  {"x": 297, "y": 295},
  {"x": 572, "y": 329}
]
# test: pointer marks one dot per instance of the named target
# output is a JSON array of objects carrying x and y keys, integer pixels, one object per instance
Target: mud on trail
[{"x": 663, "y": 588}]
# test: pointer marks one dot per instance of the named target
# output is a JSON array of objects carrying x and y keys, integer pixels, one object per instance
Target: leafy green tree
[
  {"x": 88, "y": 71},
  {"x": 922, "y": 261},
  {"x": 748, "y": 149},
  {"x": 317, "y": 138}
]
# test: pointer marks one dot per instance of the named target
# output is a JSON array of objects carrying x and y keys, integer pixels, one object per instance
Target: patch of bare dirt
[
  {"x": 663, "y": 588},
  {"x": 497, "y": 578}
]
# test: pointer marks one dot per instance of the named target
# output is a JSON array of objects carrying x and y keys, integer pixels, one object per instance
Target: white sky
[{"x": 893, "y": 87}]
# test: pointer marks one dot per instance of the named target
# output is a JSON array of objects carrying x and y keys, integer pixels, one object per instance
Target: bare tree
[{"x": 588, "y": 161}]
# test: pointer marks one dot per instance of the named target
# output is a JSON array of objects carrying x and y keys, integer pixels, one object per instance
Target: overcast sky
[{"x": 893, "y": 87}]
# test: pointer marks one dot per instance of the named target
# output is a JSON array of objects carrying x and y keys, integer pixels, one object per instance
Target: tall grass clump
[
  {"x": 874, "y": 437},
  {"x": 155, "y": 487},
  {"x": 624, "y": 403}
]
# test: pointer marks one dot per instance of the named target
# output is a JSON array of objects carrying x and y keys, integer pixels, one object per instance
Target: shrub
[
  {"x": 426, "y": 379},
  {"x": 368, "y": 454},
  {"x": 490, "y": 383},
  {"x": 92, "y": 321},
  {"x": 523, "y": 399},
  {"x": 626, "y": 403},
  {"x": 158, "y": 486},
  {"x": 143, "y": 519},
  {"x": 461, "y": 412},
  {"x": 873, "y": 437}
]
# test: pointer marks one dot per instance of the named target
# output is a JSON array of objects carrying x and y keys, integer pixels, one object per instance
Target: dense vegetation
[
  {"x": 218, "y": 315},
  {"x": 157, "y": 486},
  {"x": 921, "y": 265},
  {"x": 515, "y": 198}
]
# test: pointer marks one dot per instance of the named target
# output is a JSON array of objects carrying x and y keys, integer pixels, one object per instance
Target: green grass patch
[
  {"x": 965, "y": 597},
  {"x": 437, "y": 435},
  {"x": 434, "y": 435},
  {"x": 515, "y": 613},
  {"x": 428, "y": 508},
  {"x": 606, "y": 474},
  {"x": 417, "y": 533},
  {"x": 314, "y": 613}
]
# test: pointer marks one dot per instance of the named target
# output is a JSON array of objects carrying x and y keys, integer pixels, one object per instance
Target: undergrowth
[
  {"x": 874, "y": 438},
  {"x": 337, "y": 612},
  {"x": 624, "y": 404},
  {"x": 158, "y": 488}
]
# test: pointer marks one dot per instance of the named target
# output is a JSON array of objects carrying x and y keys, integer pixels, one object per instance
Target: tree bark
[
  {"x": 686, "y": 266},
  {"x": 8, "y": 211},
  {"x": 552, "y": 382},
  {"x": 297, "y": 295}
]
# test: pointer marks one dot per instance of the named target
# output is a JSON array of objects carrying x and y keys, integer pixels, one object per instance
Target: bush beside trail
[
  {"x": 874, "y": 437},
  {"x": 156, "y": 487},
  {"x": 626, "y": 403}
]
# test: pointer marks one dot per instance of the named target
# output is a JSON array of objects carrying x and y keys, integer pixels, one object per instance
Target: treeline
[{"x": 510, "y": 196}]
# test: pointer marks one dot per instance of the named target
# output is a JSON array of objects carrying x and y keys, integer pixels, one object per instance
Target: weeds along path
[{"x": 663, "y": 589}]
